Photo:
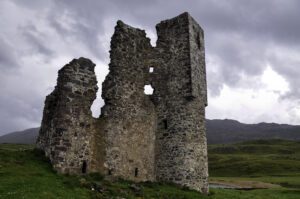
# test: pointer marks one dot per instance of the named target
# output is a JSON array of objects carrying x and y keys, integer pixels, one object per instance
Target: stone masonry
[
  {"x": 68, "y": 126},
  {"x": 158, "y": 137}
]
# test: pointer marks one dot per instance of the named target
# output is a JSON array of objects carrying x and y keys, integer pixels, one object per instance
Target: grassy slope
[
  {"x": 24, "y": 173},
  {"x": 273, "y": 161}
]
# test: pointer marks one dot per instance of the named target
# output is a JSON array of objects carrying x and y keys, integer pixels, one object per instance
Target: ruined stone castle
[{"x": 159, "y": 137}]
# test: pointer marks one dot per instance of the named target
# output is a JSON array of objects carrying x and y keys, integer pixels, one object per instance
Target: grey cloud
[
  {"x": 8, "y": 58},
  {"x": 18, "y": 113},
  {"x": 88, "y": 22},
  {"x": 237, "y": 32},
  {"x": 289, "y": 69},
  {"x": 239, "y": 36},
  {"x": 36, "y": 40}
]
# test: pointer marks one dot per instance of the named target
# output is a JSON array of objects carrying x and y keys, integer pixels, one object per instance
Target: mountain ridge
[
  {"x": 27, "y": 136},
  {"x": 232, "y": 131}
]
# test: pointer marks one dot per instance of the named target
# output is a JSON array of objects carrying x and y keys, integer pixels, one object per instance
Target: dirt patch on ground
[{"x": 242, "y": 185}]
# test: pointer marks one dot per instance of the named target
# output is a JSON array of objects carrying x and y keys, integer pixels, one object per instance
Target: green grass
[
  {"x": 255, "y": 159},
  {"x": 25, "y": 173},
  {"x": 269, "y": 161}
]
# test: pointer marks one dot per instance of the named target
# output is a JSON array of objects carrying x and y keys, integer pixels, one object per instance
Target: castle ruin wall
[{"x": 158, "y": 137}]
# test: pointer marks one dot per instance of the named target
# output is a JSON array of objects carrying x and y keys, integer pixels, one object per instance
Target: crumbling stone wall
[
  {"x": 158, "y": 137},
  {"x": 67, "y": 127},
  {"x": 129, "y": 114}
]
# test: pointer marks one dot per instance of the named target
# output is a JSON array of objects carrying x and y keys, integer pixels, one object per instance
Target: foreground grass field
[
  {"x": 25, "y": 173},
  {"x": 268, "y": 161}
]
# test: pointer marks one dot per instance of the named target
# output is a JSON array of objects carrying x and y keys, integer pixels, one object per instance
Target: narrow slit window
[
  {"x": 84, "y": 167},
  {"x": 136, "y": 172},
  {"x": 165, "y": 122},
  {"x": 198, "y": 41},
  {"x": 109, "y": 172},
  {"x": 151, "y": 69},
  {"x": 148, "y": 90}
]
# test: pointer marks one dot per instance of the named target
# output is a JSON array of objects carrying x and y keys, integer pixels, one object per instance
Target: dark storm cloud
[
  {"x": 238, "y": 33},
  {"x": 240, "y": 36}
]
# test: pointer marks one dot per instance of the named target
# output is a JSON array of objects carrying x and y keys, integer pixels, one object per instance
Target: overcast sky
[{"x": 252, "y": 52}]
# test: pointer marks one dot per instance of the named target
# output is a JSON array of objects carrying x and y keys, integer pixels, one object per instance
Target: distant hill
[
  {"x": 232, "y": 131},
  {"x": 27, "y": 136},
  {"x": 218, "y": 132}
]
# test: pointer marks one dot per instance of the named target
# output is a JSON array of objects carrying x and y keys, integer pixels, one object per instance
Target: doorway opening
[
  {"x": 165, "y": 124},
  {"x": 136, "y": 172},
  {"x": 84, "y": 167}
]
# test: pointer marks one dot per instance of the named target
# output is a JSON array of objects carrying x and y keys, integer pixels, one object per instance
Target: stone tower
[
  {"x": 158, "y": 137},
  {"x": 179, "y": 81}
]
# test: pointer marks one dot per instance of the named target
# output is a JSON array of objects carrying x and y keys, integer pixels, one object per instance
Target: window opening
[
  {"x": 148, "y": 90},
  {"x": 136, "y": 172},
  {"x": 198, "y": 41},
  {"x": 151, "y": 69}
]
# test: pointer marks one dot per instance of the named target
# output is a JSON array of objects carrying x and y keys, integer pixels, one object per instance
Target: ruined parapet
[
  {"x": 129, "y": 114},
  {"x": 180, "y": 99},
  {"x": 68, "y": 126}
]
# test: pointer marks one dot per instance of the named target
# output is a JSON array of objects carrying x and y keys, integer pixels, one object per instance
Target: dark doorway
[
  {"x": 165, "y": 124},
  {"x": 84, "y": 167},
  {"x": 136, "y": 172},
  {"x": 109, "y": 172}
]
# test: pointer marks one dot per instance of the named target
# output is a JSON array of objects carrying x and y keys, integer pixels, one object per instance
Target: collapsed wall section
[
  {"x": 67, "y": 126},
  {"x": 129, "y": 115}
]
